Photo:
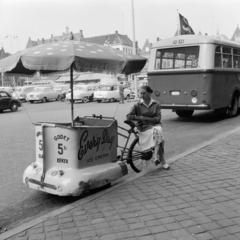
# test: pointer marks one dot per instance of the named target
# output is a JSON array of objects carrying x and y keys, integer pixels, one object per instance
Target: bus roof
[{"x": 183, "y": 40}]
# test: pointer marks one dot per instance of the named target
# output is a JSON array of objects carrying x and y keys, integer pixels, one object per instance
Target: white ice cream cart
[{"x": 71, "y": 160}]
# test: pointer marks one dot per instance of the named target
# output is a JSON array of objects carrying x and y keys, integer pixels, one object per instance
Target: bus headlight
[
  {"x": 157, "y": 93},
  {"x": 194, "y": 100},
  {"x": 194, "y": 93}
]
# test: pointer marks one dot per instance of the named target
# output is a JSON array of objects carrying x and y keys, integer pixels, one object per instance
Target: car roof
[
  {"x": 5, "y": 92},
  {"x": 61, "y": 85}
]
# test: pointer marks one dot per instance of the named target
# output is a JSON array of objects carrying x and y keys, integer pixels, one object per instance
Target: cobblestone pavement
[{"x": 198, "y": 198}]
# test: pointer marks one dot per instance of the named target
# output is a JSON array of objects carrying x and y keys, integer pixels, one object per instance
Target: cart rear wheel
[{"x": 138, "y": 160}]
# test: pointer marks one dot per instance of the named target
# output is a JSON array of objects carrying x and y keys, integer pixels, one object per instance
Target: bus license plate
[{"x": 175, "y": 93}]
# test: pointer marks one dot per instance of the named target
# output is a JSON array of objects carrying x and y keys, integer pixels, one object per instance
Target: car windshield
[
  {"x": 18, "y": 89},
  {"x": 106, "y": 88},
  {"x": 58, "y": 88},
  {"x": 79, "y": 88},
  {"x": 40, "y": 90}
]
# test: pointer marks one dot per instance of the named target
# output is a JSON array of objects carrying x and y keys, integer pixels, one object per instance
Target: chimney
[
  {"x": 71, "y": 37},
  {"x": 205, "y": 34},
  {"x": 116, "y": 32},
  {"x": 67, "y": 30},
  {"x": 157, "y": 39},
  {"x": 42, "y": 40},
  {"x": 81, "y": 35}
]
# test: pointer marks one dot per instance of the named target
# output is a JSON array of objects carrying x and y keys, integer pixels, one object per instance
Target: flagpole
[
  {"x": 178, "y": 26},
  {"x": 134, "y": 50}
]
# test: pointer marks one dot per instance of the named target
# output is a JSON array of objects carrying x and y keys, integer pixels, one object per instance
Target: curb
[{"x": 116, "y": 184}]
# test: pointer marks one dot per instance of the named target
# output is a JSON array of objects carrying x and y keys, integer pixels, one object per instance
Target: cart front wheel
[{"x": 139, "y": 160}]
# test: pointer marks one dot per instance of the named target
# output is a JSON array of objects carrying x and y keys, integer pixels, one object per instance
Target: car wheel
[
  {"x": 1, "y": 111},
  {"x": 31, "y": 101},
  {"x": 111, "y": 100},
  {"x": 44, "y": 100},
  {"x": 99, "y": 101},
  {"x": 85, "y": 99},
  {"x": 14, "y": 107}
]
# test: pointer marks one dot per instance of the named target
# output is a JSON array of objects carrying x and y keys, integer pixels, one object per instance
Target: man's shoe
[{"x": 157, "y": 162}]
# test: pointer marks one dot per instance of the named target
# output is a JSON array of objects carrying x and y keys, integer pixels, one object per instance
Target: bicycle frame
[{"x": 123, "y": 157}]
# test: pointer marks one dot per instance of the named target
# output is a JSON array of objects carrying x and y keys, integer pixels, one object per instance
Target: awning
[
  {"x": 94, "y": 76},
  {"x": 54, "y": 78},
  {"x": 66, "y": 77}
]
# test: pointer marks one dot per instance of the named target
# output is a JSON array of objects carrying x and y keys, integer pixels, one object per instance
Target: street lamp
[
  {"x": 12, "y": 37},
  {"x": 134, "y": 51},
  {"x": 13, "y": 80}
]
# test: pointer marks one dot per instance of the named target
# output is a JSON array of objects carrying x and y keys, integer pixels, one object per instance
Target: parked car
[
  {"x": 43, "y": 94},
  {"x": 110, "y": 93},
  {"x": 21, "y": 92},
  {"x": 8, "y": 102},
  {"x": 83, "y": 93},
  {"x": 62, "y": 89},
  {"x": 7, "y": 89}
]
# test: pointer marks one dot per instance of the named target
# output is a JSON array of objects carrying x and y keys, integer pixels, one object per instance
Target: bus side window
[
  {"x": 158, "y": 60},
  {"x": 227, "y": 61},
  {"x": 236, "y": 61},
  {"x": 218, "y": 57},
  {"x": 236, "y": 58},
  {"x": 157, "y": 65},
  {"x": 227, "y": 57}
]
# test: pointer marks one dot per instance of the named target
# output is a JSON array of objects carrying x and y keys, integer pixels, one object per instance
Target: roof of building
[
  {"x": 110, "y": 39},
  {"x": 237, "y": 31},
  {"x": 3, "y": 54}
]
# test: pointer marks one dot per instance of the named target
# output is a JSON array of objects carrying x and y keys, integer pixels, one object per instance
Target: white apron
[{"x": 151, "y": 137}]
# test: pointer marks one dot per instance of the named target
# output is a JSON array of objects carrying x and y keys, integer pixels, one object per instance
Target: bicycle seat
[{"x": 130, "y": 123}]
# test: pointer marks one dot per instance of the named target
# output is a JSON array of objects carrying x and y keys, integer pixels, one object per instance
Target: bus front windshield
[{"x": 177, "y": 58}]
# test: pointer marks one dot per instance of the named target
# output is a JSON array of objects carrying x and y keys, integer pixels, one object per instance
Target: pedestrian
[
  {"x": 148, "y": 112},
  {"x": 121, "y": 92}
]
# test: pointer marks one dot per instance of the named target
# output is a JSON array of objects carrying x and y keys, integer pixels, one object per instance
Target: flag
[
  {"x": 184, "y": 26},
  {"x": 107, "y": 43}
]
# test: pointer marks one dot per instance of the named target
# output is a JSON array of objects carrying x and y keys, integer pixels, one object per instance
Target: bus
[
  {"x": 43, "y": 83},
  {"x": 194, "y": 72}
]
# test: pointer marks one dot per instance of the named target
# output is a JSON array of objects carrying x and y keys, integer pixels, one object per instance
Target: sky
[{"x": 37, "y": 19}]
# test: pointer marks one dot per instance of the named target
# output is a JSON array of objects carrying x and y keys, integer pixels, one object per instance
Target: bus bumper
[{"x": 186, "y": 107}]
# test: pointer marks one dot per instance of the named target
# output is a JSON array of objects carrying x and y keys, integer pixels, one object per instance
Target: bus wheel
[
  {"x": 184, "y": 113},
  {"x": 233, "y": 110}
]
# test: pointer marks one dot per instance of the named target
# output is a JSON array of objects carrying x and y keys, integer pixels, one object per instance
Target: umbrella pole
[{"x": 71, "y": 86}]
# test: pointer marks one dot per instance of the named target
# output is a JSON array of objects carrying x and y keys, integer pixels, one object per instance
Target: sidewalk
[{"x": 198, "y": 198}]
